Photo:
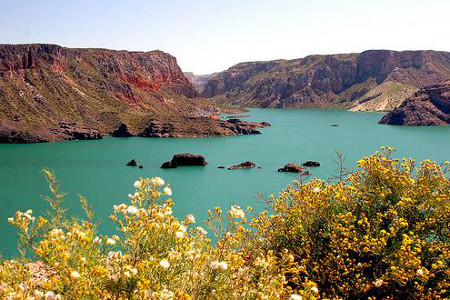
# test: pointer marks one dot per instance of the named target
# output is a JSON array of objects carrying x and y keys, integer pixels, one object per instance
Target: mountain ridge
[
  {"x": 51, "y": 93},
  {"x": 338, "y": 80}
]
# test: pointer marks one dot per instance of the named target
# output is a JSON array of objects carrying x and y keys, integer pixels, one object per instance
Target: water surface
[{"x": 96, "y": 169}]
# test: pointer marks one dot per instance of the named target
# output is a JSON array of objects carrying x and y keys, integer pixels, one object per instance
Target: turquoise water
[{"x": 96, "y": 169}]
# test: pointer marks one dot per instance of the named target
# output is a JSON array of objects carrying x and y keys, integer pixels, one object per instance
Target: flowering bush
[{"x": 382, "y": 232}]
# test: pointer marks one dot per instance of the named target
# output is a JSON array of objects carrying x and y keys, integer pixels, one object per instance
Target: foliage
[{"x": 382, "y": 232}]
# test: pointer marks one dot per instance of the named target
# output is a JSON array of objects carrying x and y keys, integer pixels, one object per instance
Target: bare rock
[
  {"x": 311, "y": 163},
  {"x": 132, "y": 163},
  {"x": 292, "y": 168},
  {"x": 244, "y": 165}
]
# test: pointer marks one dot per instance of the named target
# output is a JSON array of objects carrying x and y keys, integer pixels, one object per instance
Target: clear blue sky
[{"x": 211, "y": 35}]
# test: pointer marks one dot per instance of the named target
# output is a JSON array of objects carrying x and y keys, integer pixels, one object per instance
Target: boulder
[
  {"x": 244, "y": 165},
  {"x": 141, "y": 167},
  {"x": 132, "y": 163},
  {"x": 221, "y": 167},
  {"x": 292, "y": 168},
  {"x": 187, "y": 159},
  {"x": 311, "y": 163}
]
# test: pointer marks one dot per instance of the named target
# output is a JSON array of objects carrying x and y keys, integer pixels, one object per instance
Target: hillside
[
  {"x": 429, "y": 106},
  {"x": 372, "y": 80},
  {"x": 51, "y": 93}
]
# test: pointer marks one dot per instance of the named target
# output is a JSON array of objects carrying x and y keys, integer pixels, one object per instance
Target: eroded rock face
[
  {"x": 244, "y": 165},
  {"x": 429, "y": 106},
  {"x": 97, "y": 89},
  {"x": 11, "y": 136},
  {"x": 292, "y": 168},
  {"x": 122, "y": 131},
  {"x": 372, "y": 80},
  {"x": 72, "y": 131}
]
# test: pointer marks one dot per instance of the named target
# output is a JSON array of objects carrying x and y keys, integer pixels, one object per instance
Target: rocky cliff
[
  {"x": 430, "y": 106},
  {"x": 199, "y": 81},
  {"x": 51, "y": 93},
  {"x": 372, "y": 80}
]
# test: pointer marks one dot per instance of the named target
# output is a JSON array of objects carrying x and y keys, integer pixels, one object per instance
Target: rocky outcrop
[
  {"x": 199, "y": 127},
  {"x": 429, "y": 106},
  {"x": 72, "y": 131},
  {"x": 372, "y": 80},
  {"x": 244, "y": 165},
  {"x": 292, "y": 168},
  {"x": 132, "y": 163},
  {"x": 122, "y": 131},
  {"x": 185, "y": 159},
  {"x": 101, "y": 92}
]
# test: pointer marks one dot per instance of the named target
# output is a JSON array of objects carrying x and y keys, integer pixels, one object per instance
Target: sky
[{"x": 210, "y": 35}]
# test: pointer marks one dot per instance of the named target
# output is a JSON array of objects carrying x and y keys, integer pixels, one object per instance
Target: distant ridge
[{"x": 374, "y": 80}]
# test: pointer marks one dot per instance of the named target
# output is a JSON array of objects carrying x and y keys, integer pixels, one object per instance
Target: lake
[{"x": 96, "y": 169}]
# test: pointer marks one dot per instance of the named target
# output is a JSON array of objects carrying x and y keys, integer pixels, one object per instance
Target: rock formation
[
  {"x": 311, "y": 163},
  {"x": 244, "y": 165},
  {"x": 430, "y": 106},
  {"x": 292, "y": 168},
  {"x": 185, "y": 159},
  {"x": 98, "y": 92},
  {"x": 132, "y": 163},
  {"x": 372, "y": 80}
]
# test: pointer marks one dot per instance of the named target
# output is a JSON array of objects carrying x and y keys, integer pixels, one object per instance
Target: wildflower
[
  {"x": 110, "y": 242},
  {"x": 74, "y": 275},
  {"x": 316, "y": 189},
  {"x": 179, "y": 234},
  {"x": 223, "y": 265},
  {"x": 120, "y": 207},
  {"x": 127, "y": 274},
  {"x": 190, "y": 218},
  {"x": 49, "y": 295},
  {"x": 38, "y": 294},
  {"x": 315, "y": 290},
  {"x": 134, "y": 271},
  {"x": 132, "y": 210},
  {"x": 236, "y": 212},
  {"x": 420, "y": 272},
  {"x": 296, "y": 297},
  {"x": 10, "y": 220},
  {"x": 182, "y": 228},
  {"x": 201, "y": 230},
  {"x": 137, "y": 184},
  {"x": 214, "y": 265},
  {"x": 168, "y": 211},
  {"x": 130, "y": 196},
  {"x": 378, "y": 283},
  {"x": 157, "y": 181},
  {"x": 97, "y": 240},
  {"x": 164, "y": 264},
  {"x": 167, "y": 191}
]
